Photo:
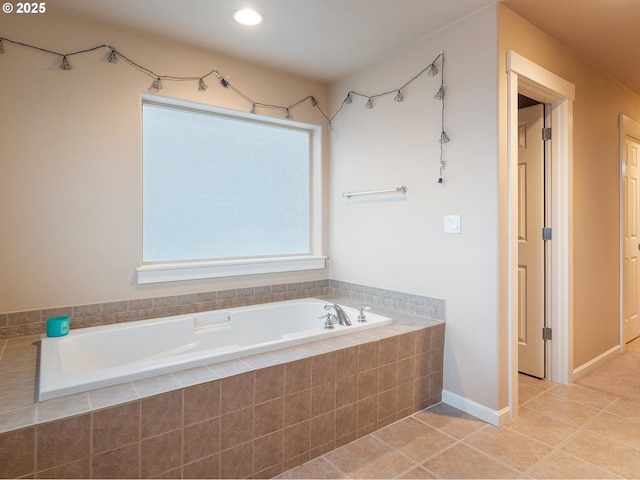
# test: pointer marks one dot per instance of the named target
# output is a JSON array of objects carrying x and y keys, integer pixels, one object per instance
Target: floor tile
[
  {"x": 588, "y": 396},
  {"x": 526, "y": 392},
  {"x": 316, "y": 468},
  {"x": 625, "y": 408},
  {"x": 617, "y": 429},
  {"x": 562, "y": 465},
  {"x": 568, "y": 411},
  {"x": 617, "y": 458},
  {"x": 543, "y": 428},
  {"x": 450, "y": 420},
  {"x": 414, "y": 438},
  {"x": 510, "y": 447},
  {"x": 369, "y": 457},
  {"x": 461, "y": 461},
  {"x": 417, "y": 472},
  {"x": 538, "y": 383}
]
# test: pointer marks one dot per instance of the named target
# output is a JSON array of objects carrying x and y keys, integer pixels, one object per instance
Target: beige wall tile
[
  {"x": 63, "y": 441},
  {"x": 368, "y": 356},
  {"x": 208, "y": 467},
  {"x": 296, "y": 441},
  {"x": 201, "y": 402},
  {"x": 236, "y": 428},
  {"x": 201, "y": 440},
  {"x": 297, "y": 407},
  {"x": 17, "y": 452},
  {"x": 161, "y": 453},
  {"x": 237, "y": 462},
  {"x": 269, "y": 417},
  {"x": 268, "y": 451},
  {"x": 347, "y": 362},
  {"x": 237, "y": 392},
  {"x": 123, "y": 462},
  {"x": 297, "y": 375},
  {"x": 388, "y": 350},
  {"x": 161, "y": 413},
  {"x": 115, "y": 427},
  {"x": 269, "y": 383},
  {"x": 323, "y": 399},
  {"x": 78, "y": 469}
]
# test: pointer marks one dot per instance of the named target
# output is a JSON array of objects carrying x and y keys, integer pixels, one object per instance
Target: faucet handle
[
  {"x": 328, "y": 323},
  {"x": 361, "y": 316}
]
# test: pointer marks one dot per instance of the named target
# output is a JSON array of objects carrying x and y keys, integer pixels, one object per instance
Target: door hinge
[
  {"x": 546, "y": 233},
  {"x": 546, "y": 333},
  {"x": 546, "y": 134}
]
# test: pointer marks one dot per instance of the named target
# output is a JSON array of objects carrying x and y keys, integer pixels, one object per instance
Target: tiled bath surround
[
  {"x": 252, "y": 417},
  {"x": 256, "y": 417},
  {"x": 379, "y": 297},
  {"x": 15, "y": 324}
]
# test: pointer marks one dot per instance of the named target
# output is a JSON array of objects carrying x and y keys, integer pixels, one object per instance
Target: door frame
[
  {"x": 530, "y": 79},
  {"x": 631, "y": 128}
]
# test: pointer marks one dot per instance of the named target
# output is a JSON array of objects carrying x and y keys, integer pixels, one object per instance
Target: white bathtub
[{"x": 97, "y": 357}]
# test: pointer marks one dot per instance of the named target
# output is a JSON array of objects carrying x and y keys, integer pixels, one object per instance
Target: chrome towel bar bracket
[{"x": 402, "y": 189}]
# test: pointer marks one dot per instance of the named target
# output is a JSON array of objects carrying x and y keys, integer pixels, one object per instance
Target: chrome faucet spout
[{"x": 343, "y": 318}]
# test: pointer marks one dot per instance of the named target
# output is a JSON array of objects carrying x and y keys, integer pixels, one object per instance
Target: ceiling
[{"x": 330, "y": 39}]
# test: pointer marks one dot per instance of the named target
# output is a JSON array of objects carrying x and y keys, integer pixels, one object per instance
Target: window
[{"x": 226, "y": 193}]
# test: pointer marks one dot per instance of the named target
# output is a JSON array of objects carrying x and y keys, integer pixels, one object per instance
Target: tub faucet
[{"x": 343, "y": 319}]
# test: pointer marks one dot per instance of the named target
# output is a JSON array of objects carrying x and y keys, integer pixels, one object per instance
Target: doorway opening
[
  {"x": 527, "y": 78},
  {"x": 534, "y": 237},
  {"x": 630, "y": 229}
]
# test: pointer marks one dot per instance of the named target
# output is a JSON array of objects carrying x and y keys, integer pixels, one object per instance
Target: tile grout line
[
  {"x": 580, "y": 429},
  {"x": 485, "y": 454}
]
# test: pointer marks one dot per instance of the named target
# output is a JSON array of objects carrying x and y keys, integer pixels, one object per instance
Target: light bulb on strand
[
  {"x": 201, "y": 85},
  {"x": 156, "y": 86},
  {"x": 254, "y": 110},
  {"x": 288, "y": 114},
  {"x": 65, "y": 63},
  {"x": 398, "y": 97},
  {"x": 369, "y": 104},
  {"x": 439, "y": 94},
  {"x": 112, "y": 58}
]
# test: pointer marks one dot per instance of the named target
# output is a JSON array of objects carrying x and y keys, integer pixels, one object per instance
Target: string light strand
[{"x": 156, "y": 85}]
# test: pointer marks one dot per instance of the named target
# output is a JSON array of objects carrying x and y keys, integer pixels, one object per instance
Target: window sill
[{"x": 174, "y": 272}]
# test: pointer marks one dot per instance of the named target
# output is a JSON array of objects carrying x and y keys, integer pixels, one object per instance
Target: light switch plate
[{"x": 452, "y": 224}]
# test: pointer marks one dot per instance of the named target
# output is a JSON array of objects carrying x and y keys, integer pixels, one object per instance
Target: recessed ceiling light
[{"x": 247, "y": 16}]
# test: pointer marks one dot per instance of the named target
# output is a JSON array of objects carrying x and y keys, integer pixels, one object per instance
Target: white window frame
[{"x": 192, "y": 270}]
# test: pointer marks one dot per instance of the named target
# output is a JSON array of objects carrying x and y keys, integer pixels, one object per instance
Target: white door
[
  {"x": 631, "y": 213},
  {"x": 531, "y": 274}
]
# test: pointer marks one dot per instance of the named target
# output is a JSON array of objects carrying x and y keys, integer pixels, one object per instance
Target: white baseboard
[
  {"x": 591, "y": 365},
  {"x": 494, "y": 417}
]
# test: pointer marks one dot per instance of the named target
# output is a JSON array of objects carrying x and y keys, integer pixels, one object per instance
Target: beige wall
[
  {"x": 598, "y": 102},
  {"x": 399, "y": 243},
  {"x": 70, "y": 157}
]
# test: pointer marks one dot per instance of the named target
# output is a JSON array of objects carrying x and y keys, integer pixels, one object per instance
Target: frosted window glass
[{"x": 216, "y": 186}]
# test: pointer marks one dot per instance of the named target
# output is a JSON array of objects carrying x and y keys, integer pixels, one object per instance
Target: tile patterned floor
[{"x": 563, "y": 431}]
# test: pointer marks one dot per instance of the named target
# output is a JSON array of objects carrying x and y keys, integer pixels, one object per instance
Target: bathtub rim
[{"x": 119, "y": 375}]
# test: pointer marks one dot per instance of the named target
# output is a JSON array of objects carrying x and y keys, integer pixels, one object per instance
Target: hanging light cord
[
  {"x": 443, "y": 136},
  {"x": 156, "y": 85}
]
